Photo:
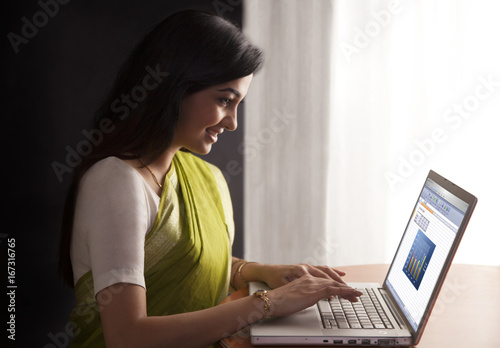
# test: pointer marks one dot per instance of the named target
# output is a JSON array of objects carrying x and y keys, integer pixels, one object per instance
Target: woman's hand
[
  {"x": 296, "y": 287},
  {"x": 305, "y": 291}
]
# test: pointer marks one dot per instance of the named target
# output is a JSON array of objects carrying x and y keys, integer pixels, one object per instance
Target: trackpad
[{"x": 306, "y": 321}]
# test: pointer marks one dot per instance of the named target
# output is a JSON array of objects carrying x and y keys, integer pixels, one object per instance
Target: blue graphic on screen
[{"x": 418, "y": 258}]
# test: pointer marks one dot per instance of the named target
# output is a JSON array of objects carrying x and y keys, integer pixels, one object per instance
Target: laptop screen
[{"x": 424, "y": 249}]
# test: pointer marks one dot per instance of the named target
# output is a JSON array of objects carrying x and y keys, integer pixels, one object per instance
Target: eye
[{"x": 225, "y": 101}]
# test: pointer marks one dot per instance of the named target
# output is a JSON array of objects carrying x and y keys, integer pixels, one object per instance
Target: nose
[{"x": 230, "y": 121}]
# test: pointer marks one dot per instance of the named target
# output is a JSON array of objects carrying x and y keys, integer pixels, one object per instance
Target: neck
[{"x": 163, "y": 162}]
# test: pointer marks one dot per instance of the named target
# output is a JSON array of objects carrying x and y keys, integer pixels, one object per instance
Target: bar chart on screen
[{"x": 418, "y": 258}]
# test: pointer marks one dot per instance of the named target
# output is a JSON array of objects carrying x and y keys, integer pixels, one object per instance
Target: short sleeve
[{"x": 112, "y": 217}]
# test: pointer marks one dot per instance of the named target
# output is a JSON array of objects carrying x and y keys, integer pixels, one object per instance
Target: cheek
[
  {"x": 188, "y": 119},
  {"x": 208, "y": 116},
  {"x": 194, "y": 123},
  {"x": 182, "y": 124},
  {"x": 199, "y": 111}
]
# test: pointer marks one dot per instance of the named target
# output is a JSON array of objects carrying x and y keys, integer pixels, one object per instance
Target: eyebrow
[{"x": 232, "y": 90}]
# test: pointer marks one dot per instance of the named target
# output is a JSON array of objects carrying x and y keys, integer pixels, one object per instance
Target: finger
[
  {"x": 301, "y": 270},
  {"x": 331, "y": 273},
  {"x": 335, "y": 274},
  {"x": 352, "y": 297},
  {"x": 339, "y": 272},
  {"x": 320, "y": 272},
  {"x": 348, "y": 293}
]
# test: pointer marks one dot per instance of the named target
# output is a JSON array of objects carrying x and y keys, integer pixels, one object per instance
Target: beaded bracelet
[{"x": 262, "y": 294}]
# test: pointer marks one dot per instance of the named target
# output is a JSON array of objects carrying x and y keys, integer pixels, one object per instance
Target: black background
[{"x": 50, "y": 90}]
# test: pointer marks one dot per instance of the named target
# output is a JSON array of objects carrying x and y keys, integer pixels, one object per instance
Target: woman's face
[{"x": 204, "y": 115}]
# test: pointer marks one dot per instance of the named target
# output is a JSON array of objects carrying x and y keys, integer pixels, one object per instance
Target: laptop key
[
  {"x": 324, "y": 306},
  {"x": 343, "y": 325},
  {"x": 388, "y": 324}
]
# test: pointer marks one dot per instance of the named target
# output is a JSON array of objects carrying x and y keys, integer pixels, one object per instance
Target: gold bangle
[
  {"x": 262, "y": 294},
  {"x": 239, "y": 272},
  {"x": 235, "y": 262},
  {"x": 240, "y": 268},
  {"x": 232, "y": 282}
]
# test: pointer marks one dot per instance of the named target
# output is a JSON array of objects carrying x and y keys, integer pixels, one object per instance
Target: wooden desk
[{"x": 467, "y": 313}]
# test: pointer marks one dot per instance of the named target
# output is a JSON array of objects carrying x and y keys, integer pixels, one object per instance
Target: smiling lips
[{"x": 214, "y": 133}]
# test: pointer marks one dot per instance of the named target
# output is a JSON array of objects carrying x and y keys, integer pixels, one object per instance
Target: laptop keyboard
[{"x": 367, "y": 313}]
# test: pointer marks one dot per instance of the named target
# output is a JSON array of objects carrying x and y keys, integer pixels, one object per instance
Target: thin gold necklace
[{"x": 154, "y": 176}]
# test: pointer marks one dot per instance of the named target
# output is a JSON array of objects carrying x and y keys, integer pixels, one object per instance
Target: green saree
[{"x": 187, "y": 252}]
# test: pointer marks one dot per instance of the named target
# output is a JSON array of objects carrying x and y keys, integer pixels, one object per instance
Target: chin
[{"x": 201, "y": 150}]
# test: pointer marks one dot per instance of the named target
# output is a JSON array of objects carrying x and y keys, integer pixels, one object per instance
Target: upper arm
[{"x": 111, "y": 221}]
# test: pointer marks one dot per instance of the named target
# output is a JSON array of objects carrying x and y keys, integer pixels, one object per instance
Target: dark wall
[{"x": 54, "y": 76}]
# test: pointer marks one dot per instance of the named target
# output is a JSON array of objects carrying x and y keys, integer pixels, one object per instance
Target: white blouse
[{"x": 115, "y": 209}]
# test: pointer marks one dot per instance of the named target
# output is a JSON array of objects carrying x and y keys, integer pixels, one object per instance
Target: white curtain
[
  {"x": 286, "y": 139},
  {"x": 357, "y": 101}
]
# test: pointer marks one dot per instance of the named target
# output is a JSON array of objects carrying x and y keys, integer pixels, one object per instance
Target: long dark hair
[{"x": 185, "y": 53}]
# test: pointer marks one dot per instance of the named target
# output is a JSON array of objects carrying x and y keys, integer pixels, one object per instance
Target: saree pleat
[{"x": 187, "y": 251}]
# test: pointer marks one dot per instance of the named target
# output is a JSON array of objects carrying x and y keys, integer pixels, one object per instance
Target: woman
[{"x": 147, "y": 229}]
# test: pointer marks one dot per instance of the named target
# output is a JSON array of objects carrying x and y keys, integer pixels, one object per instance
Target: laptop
[{"x": 396, "y": 312}]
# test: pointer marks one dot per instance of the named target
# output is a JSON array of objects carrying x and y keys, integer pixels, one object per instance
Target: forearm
[
  {"x": 126, "y": 324},
  {"x": 195, "y": 329},
  {"x": 243, "y": 272}
]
